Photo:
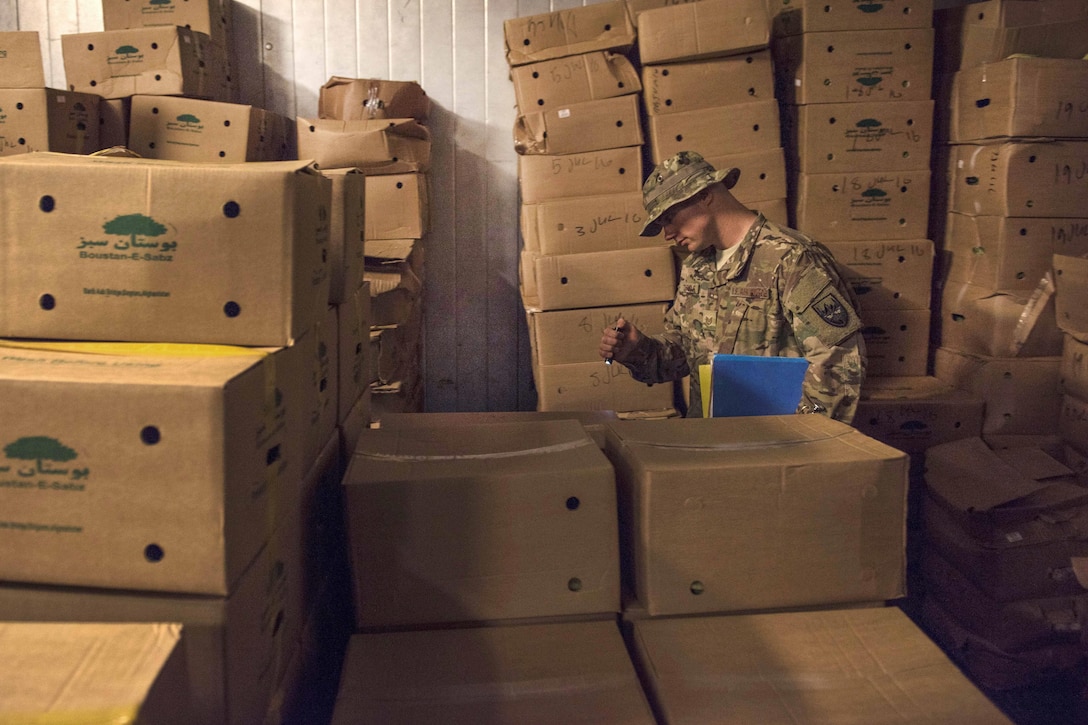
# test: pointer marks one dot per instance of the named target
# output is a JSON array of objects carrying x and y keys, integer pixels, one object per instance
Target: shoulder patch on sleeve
[{"x": 823, "y": 309}]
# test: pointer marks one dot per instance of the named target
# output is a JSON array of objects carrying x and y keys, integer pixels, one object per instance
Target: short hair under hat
[{"x": 678, "y": 179}]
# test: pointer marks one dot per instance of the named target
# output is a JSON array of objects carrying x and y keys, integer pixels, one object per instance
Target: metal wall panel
[{"x": 476, "y": 351}]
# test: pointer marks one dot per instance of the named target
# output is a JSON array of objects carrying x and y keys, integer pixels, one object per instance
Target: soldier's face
[{"x": 686, "y": 224}]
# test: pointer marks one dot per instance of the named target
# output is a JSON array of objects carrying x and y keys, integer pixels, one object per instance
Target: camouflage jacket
[{"x": 781, "y": 293}]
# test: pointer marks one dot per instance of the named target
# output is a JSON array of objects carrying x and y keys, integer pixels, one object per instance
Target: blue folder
[{"x": 750, "y": 385}]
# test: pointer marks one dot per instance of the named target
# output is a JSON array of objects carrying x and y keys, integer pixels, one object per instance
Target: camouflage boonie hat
[{"x": 678, "y": 179}]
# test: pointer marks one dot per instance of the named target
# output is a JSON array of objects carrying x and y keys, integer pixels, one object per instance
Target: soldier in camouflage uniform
[{"x": 748, "y": 287}]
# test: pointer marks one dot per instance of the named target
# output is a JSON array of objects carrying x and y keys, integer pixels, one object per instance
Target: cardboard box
[
  {"x": 234, "y": 648},
  {"x": 816, "y": 16},
  {"x": 212, "y": 17},
  {"x": 593, "y": 421},
  {"x": 1070, "y": 278},
  {"x": 718, "y": 131},
  {"x": 396, "y": 288},
  {"x": 562, "y": 337},
  {"x": 600, "y": 26},
  {"x": 762, "y": 174},
  {"x": 854, "y": 66},
  {"x": 353, "y": 322},
  {"x": 599, "y": 279},
  {"x": 401, "y": 396},
  {"x": 607, "y": 171},
  {"x": 45, "y": 119},
  {"x": 83, "y": 478},
  {"x": 678, "y": 87},
  {"x": 542, "y": 541},
  {"x": 397, "y": 206},
  {"x": 1008, "y": 253},
  {"x": 917, "y": 412},
  {"x": 158, "y": 61},
  {"x": 999, "y": 323},
  {"x": 836, "y": 535},
  {"x": 580, "y": 127},
  {"x": 991, "y": 30},
  {"x": 585, "y": 224},
  {"x": 395, "y": 352},
  {"x": 873, "y": 664},
  {"x": 1012, "y": 626},
  {"x": 1022, "y": 395},
  {"x": 189, "y": 129},
  {"x": 393, "y": 146},
  {"x": 21, "y": 60},
  {"x": 347, "y": 222},
  {"x": 218, "y": 253},
  {"x": 896, "y": 341},
  {"x": 501, "y": 675},
  {"x": 862, "y": 206},
  {"x": 1073, "y": 422},
  {"x": 596, "y": 386},
  {"x": 1020, "y": 97},
  {"x": 706, "y": 29},
  {"x": 860, "y": 136},
  {"x": 888, "y": 275},
  {"x": 113, "y": 118},
  {"x": 365, "y": 99},
  {"x": 550, "y": 84},
  {"x": 1073, "y": 370},
  {"x": 1019, "y": 179},
  {"x": 84, "y": 670}
]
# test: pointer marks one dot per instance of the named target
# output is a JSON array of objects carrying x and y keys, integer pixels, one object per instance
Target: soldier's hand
[{"x": 618, "y": 341}]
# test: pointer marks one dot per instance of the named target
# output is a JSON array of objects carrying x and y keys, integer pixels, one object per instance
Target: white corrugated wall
[{"x": 476, "y": 351}]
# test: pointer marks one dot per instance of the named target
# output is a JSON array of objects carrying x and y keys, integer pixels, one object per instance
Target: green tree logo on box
[
  {"x": 186, "y": 123},
  {"x": 40, "y": 456},
  {"x": 133, "y": 226}
]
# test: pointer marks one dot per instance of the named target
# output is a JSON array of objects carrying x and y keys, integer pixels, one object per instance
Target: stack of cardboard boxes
[
  {"x": 34, "y": 117},
  {"x": 372, "y": 140},
  {"x": 584, "y": 265},
  {"x": 491, "y": 559}
]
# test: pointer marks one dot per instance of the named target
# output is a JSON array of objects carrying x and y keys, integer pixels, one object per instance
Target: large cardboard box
[
  {"x": 364, "y": 99},
  {"x": 549, "y": 84},
  {"x": 1071, "y": 295},
  {"x": 396, "y": 284},
  {"x": 479, "y": 523},
  {"x": 677, "y": 87},
  {"x": 855, "y": 66},
  {"x": 45, "y": 119},
  {"x": 896, "y": 341},
  {"x": 500, "y": 675},
  {"x": 111, "y": 248},
  {"x": 1022, "y": 395},
  {"x": 706, "y": 29},
  {"x": 160, "y": 61},
  {"x": 191, "y": 129},
  {"x": 917, "y": 412},
  {"x": 593, "y": 223},
  {"x": 762, "y": 175},
  {"x": 596, "y": 386},
  {"x": 862, "y": 206},
  {"x": 381, "y": 146},
  {"x": 1020, "y": 97},
  {"x": 607, "y": 171},
  {"x": 1026, "y": 178},
  {"x": 598, "y": 279},
  {"x": 1008, "y": 253},
  {"x": 865, "y": 665},
  {"x": 83, "y": 672},
  {"x": 600, "y": 26},
  {"x": 888, "y": 275},
  {"x": 867, "y": 136},
  {"x": 562, "y": 337},
  {"x": 717, "y": 131},
  {"x": 988, "y": 31},
  {"x": 999, "y": 323},
  {"x": 212, "y": 17},
  {"x": 165, "y": 471},
  {"x": 731, "y": 514},
  {"x": 579, "y": 127},
  {"x": 815, "y": 16},
  {"x": 347, "y": 224},
  {"x": 396, "y": 206},
  {"x": 21, "y": 60}
]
